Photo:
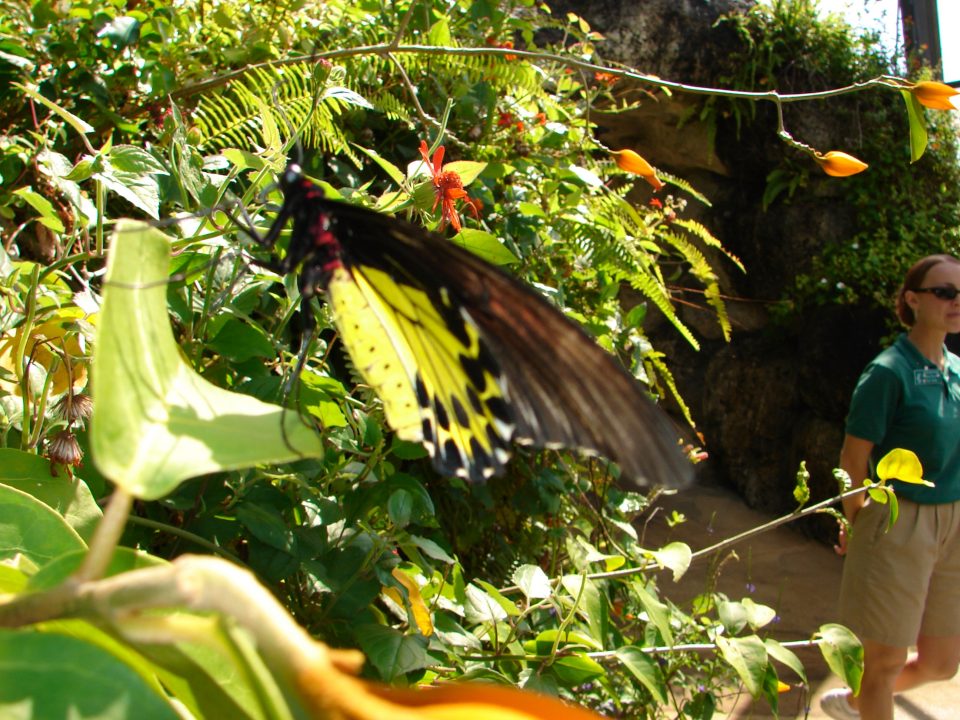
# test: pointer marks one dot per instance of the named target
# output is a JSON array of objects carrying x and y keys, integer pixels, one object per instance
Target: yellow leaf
[
  {"x": 46, "y": 347},
  {"x": 421, "y": 613},
  {"x": 902, "y": 465}
]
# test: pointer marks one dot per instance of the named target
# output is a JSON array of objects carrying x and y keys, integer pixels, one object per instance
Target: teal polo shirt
[{"x": 903, "y": 400}]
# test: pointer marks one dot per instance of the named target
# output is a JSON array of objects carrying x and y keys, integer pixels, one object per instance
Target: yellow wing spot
[
  {"x": 375, "y": 356},
  {"x": 427, "y": 363}
]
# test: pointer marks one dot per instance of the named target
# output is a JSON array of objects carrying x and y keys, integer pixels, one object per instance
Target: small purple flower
[{"x": 751, "y": 588}]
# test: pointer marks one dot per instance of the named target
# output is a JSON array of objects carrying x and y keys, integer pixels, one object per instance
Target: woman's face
[{"x": 932, "y": 312}]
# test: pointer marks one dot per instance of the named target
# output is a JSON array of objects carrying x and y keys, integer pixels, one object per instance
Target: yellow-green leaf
[
  {"x": 918, "y": 129},
  {"x": 902, "y": 465},
  {"x": 156, "y": 422}
]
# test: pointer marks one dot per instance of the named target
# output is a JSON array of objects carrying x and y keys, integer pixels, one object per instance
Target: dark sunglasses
[{"x": 941, "y": 293}]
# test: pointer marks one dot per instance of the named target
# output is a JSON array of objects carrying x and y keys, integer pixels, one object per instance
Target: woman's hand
[
  {"x": 841, "y": 547},
  {"x": 854, "y": 459}
]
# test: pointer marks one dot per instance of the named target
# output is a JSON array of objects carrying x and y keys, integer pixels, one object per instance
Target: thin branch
[
  {"x": 404, "y": 24},
  {"x": 731, "y": 541},
  {"x": 105, "y": 538},
  {"x": 384, "y": 50},
  {"x": 611, "y": 654},
  {"x": 186, "y": 535}
]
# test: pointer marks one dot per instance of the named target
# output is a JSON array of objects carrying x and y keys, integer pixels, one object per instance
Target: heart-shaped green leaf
[{"x": 156, "y": 422}]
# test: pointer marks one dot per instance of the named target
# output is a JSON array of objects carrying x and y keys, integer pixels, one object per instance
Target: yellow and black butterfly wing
[
  {"x": 437, "y": 384},
  {"x": 496, "y": 360}
]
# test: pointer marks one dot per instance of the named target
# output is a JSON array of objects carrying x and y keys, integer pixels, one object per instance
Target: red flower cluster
[
  {"x": 447, "y": 188},
  {"x": 506, "y": 45}
]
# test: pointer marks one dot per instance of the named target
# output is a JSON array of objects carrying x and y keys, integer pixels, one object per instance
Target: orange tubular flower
[
  {"x": 937, "y": 95},
  {"x": 471, "y": 701},
  {"x": 447, "y": 188},
  {"x": 631, "y": 162},
  {"x": 331, "y": 689},
  {"x": 839, "y": 164}
]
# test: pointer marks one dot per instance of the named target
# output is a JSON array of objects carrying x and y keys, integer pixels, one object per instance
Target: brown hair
[{"x": 914, "y": 281}]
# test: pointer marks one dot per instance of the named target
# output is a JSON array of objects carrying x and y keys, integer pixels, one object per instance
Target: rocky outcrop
[{"x": 776, "y": 394}]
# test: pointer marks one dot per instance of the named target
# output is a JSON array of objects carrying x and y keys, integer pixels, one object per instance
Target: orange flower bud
[
  {"x": 839, "y": 164},
  {"x": 631, "y": 162},
  {"x": 936, "y": 95}
]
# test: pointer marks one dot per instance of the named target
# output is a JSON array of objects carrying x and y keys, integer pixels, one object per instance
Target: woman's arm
[{"x": 855, "y": 459}]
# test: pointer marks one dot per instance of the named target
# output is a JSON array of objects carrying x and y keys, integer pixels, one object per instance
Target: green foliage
[
  {"x": 904, "y": 207},
  {"x": 523, "y": 580}
]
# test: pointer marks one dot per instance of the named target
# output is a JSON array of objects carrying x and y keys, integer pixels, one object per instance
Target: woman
[{"x": 902, "y": 588}]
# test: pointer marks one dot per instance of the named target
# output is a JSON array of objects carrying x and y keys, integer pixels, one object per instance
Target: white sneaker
[{"x": 835, "y": 704}]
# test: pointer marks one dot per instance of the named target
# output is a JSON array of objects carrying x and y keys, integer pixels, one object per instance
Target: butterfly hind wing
[{"x": 567, "y": 391}]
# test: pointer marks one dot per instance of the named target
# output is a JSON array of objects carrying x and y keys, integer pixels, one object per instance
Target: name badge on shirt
[{"x": 927, "y": 376}]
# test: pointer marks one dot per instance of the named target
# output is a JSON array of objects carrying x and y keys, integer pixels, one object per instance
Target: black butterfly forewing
[{"x": 564, "y": 390}]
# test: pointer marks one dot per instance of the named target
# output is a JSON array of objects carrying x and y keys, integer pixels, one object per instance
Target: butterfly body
[{"x": 466, "y": 358}]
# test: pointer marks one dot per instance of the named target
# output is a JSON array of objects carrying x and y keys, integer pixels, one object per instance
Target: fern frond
[
  {"x": 236, "y": 115},
  {"x": 700, "y": 269},
  {"x": 700, "y": 231},
  {"x": 656, "y": 368},
  {"x": 712, "y": 295},
  {"x": 679, "y": 182},
  {"x": 658, "y": 295}
]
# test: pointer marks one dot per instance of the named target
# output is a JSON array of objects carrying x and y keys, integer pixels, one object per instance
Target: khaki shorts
[{"x": 905, "y": 583}]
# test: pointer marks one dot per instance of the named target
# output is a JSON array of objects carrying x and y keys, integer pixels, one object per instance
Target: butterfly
[{"x": 465, "y": 358}]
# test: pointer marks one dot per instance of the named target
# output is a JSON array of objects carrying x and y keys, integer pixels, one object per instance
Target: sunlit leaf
[
  {"x": 532, "y": 581},
  {"x": 47, "y": 675},
  {"x": 902, "y": 465},
  {"x": 645, "y": 669},
  {"x": 786, "y": 656},
  {"x": 33, "y": 529},
  {"x": 843, "y": 653},
  {"x": 156, "y": 422},
  {"x": 748, "y": 656},
  {"x": 484, "y": 245},
  {"x": 676, "y": 556},
  {"x": 419, "y": 609},
  {"x": 70, "y": 498}
]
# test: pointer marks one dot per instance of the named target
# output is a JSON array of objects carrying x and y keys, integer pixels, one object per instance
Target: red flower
[
  {"x": 506, "y": 118},
  {"x": 606, "y": 78},
  {"x": 505, "y": 45},
  {"x": 447, "y": 188}
]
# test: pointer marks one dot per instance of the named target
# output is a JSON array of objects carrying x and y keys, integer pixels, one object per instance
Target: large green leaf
[
  {"x": 31, "y": 528},
  {"x": 748, "y": 656},
  {"x": 843, "y": 653},
  {"x": 391, "y": 652},
  {"x": 918, "y": 125},
  {"x": 156, "y": 422},
  {"x": 58, "y": 570},
  {"x": 54, "y": 676},
  {"x": 576, "y": 669},
  {"x": 71, "y": 498},
  {"x": 645, "y": 669}
]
